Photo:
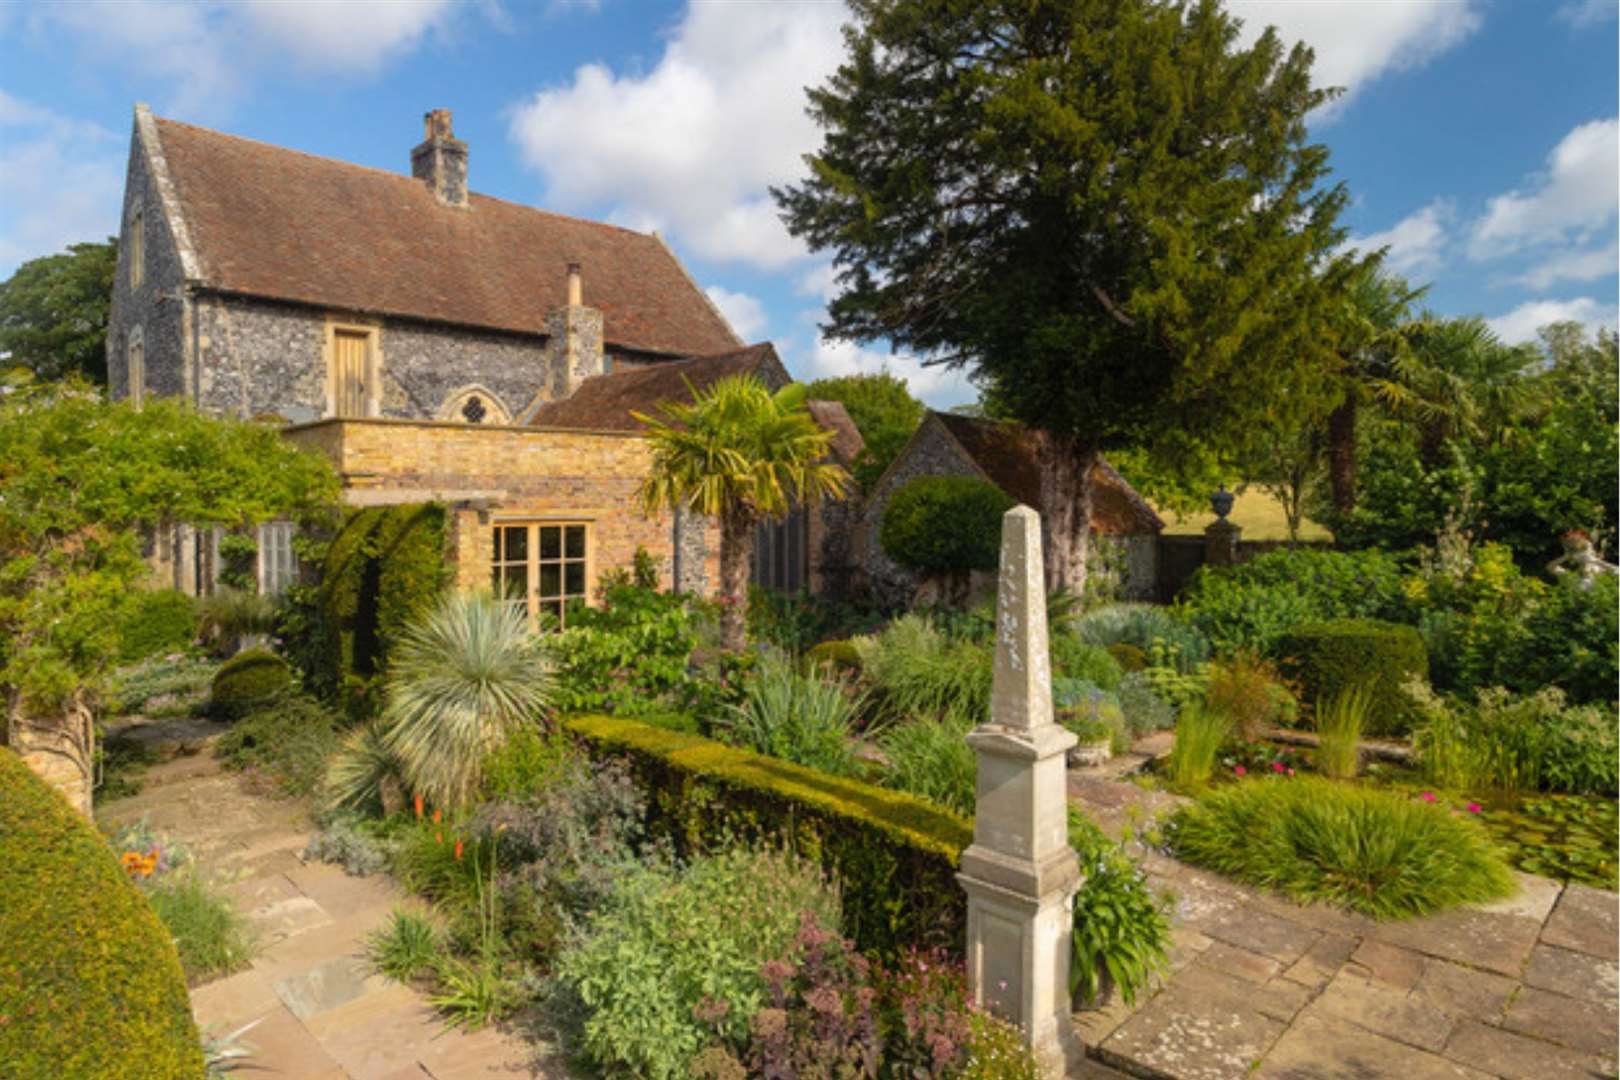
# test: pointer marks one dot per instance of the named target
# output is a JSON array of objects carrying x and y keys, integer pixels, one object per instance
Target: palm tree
[
  {"x": 459, "y": 681},
  {"x": 741, "y": 454}
]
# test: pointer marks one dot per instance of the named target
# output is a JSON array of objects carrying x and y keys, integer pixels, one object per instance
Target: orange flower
[
  {"x": 458, "y": 851},
  {"x": 419, "y": 808},
  {"x": 130, "y": 861},
  {"x": 437, "y": 814},
  {"x": 438, "y": 837}
]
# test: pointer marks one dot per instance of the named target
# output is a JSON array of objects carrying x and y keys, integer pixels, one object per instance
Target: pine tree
[{"x": 1104, "y": 209}]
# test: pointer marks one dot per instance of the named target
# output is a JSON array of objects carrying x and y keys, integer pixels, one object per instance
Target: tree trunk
[
  {"x": 60, "y": 749},
  {"x": 736, "y": 553},
  {"x": 1342, "y": 454},
  {"x": 1066, "y": 494}
]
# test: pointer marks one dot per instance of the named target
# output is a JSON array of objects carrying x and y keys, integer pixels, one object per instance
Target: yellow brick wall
[{"x": 490, "y": 475}]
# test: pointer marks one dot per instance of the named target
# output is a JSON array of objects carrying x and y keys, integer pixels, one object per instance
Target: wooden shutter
[{"x": 350, "y": 350}]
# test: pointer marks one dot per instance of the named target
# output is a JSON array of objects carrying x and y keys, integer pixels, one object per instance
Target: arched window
[
  {"x": 137, "y": 248},
  {"x": 474, "y": 405},
  {"x": 135, "y": 368}
]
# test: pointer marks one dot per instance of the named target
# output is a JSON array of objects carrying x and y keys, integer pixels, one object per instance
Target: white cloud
[
  {"x": 60, "y": 182},
  {"x": 939, "y": 387},
  {"x": 1522, "y": 322},
  {"x": 1355, "y": 41},
  {"x": 206, "y": 54},
  {"x": 745, "y": 314},
  {"x": 1415, "y": 242},
  {"x": 691, "y": 145},
  {"x": 820, "y": 281},
  {"x": 1584, "y": 13},
  {"x": 1572, "y": 266},
  {"x": 1567, "y": 204}
]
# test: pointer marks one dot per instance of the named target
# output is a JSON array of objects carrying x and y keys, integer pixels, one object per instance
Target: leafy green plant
[
  {"x": 629, "y": 654},
  {"x": 931, "y": 758},
  {"x": 362, "y": 846},
  {"x": 1091, "y": 713},
  {"x": 817, "y": 1017},
  {"x": 1338, "y": 732},
  {"x": 1145, "y": 711},
  {"x": 228, "y": 614},
  {"x": 475, "y": 990},
  {"x": 156, "y": 622},
  {"x": 1146, "y": 627},
  {"x": 945, "y": 524},
  {"x": 159, "y": 687},
  {"x": 1121, "y": 933},
  {"x": 1377, "y": 852},
  {"x": 287, "y": 742},
  {"x": 803, "y": 718},
  {"x": 1565, "y": 837},
  {"x": 213, "y": 938},
  {"x": 405, "y": 948},
  {"x": 460, "y": 681},
  {"x": 1245, "y": 688},
  {"x": 1200, "y": 731},
  {"x": 915, "y": 671},
  {"x": 1074, "y": 659},
  {"x": 671, "y": 941},
  {"x": 238, "y": 561},
  {"x": 1327, "y": 658},
  {"x": 222, "y": 1053},
  {"x": 528, "y": 763}
]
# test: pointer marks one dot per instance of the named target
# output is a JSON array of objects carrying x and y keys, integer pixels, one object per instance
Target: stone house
[
  {"x": 1125, "y": 529},
  {"x": 436, "y": 344}
]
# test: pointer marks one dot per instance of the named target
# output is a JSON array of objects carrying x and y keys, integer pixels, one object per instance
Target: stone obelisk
[{"x": 1020, "y": 874}]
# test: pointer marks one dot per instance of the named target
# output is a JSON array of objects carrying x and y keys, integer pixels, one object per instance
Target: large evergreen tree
[{"x": 1105, "y": 208}]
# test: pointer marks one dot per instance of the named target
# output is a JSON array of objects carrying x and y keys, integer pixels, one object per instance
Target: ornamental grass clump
[
  {"x": 917, "y": 672},
  {"x": 931, "y": 758},
  {"x": 797, "y": 716},
  {"x": 1338, "y": 732},
  {"x": 460, "y": 681},
  {"x": 1372, "y": 851},
  {"x": 1200, "y": 731}
]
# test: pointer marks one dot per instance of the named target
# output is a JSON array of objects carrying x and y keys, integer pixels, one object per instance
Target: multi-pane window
[
  {"x": 278, "y": 564},
  {"x": 541, "y": 566}
]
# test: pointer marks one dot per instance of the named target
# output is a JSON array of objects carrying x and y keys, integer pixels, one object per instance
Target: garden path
[
  {"x": 1524, "y": 989},
  {"x": 321, "y": 1014}
]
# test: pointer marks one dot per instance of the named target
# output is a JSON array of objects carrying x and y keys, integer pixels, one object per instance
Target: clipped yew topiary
[
  {"x": 945, "y": 524},
  {"x": 90, "y": 985},
  {"x": 248, "y": 680},
  {"x": 1331, "y": 658}
]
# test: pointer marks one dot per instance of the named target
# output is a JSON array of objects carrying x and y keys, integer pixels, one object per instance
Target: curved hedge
[
  {"x": 1329, "y": 658},
  {"x": 385, "y": 563},
  {"x": 945, "y": 524},
  {"x": 895, "y": 854},
  {"x": 90, "y": 985},
  {"x": 248, "y": 680}
]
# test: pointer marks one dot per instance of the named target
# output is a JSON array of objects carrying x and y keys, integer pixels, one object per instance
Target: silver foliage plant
[{"x": 460, "y": 681}]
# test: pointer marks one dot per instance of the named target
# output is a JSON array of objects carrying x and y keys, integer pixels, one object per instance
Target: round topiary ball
[
  {"x": 945, "y": 524},
  {"x": 90, "y": 984},
  {"x": 248, "y": 680}
]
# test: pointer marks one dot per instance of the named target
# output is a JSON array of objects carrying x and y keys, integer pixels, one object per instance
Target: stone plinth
[
  {"x": 1020, "y": 874},
  {"x": 1221, "y": 539}
]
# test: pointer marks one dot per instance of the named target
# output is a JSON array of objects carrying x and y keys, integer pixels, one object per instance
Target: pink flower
[
  {"x": 1427, "y": 796},
  {"x": 1473, "y": 808},
  {"x": 1240, "y": 770},
  {"x": 1290, "y": 772},
  {"x": 1276, "y": 766}
]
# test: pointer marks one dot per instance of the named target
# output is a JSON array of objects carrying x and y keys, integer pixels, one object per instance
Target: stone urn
[{"x": 1096, "y": 745}]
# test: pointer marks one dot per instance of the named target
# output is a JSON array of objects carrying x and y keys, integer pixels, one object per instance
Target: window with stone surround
[
  {"x": 278, "y": 564},
  {"x": 137, "y": 248},
  {"x": 542, "y": 567}
]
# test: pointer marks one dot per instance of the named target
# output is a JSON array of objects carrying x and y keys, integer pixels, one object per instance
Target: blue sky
[{"x": 1477, "y": 138}]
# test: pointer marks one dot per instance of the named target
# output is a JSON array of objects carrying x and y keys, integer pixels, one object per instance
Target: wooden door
[{"x": 351, "y": 351}]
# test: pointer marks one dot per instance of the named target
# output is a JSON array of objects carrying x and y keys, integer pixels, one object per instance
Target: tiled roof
[
  {"x": 846, "y": 441},
  {"x": 270, "y": 222},
  {"x": 1007, "y": 454},
  {"x": 605, "y": 402}
]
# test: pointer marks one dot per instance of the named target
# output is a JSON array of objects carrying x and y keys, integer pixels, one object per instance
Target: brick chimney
[
  {"x": 441, "y": 160},
  {"x": 574, "y": 334}
]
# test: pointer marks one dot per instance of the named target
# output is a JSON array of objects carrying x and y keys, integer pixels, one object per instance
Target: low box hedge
[
  {"x": 1331, "y": 657},
  {"x": 896, "y": 855},
  {"x": 90, "y": 984}
]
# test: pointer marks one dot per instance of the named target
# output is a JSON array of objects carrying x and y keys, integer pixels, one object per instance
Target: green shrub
[
  {"x": 361, "y": 845},
  {"x": 157, "y": 687},
  {"x": 1074, "y": 659},
  {"x": 230, "y": 614},
  {"x": 1331, "y": 658},
  {"x": 156, "y": 622},
  {"x": 802, "y": 718},
  {"x": 1161, "y": 635},
  {"x": 1145, "y": 711},
  {"x": 213, "y": 938},
  {"x": 1128, "y": 656},
  {"x": 945, "y": 524},
  {"x": 248, "y": 681},
  {"x": 1516, "y": 743},
  {"x": 794, "y": 622},
  {"x": 628, "y": 655},
  {"x": 90, "y": 984},
  {"x": 1121, "y": 933},
  {"x": 895, "y": 854},
  {"x": 915, "y": 671},
  {"x": 1200, "y": 731},
  {"x": 1370, "y": 850},
  {"x": 931, "y": 759},
  {"x": 836, "y": 657},
  {"x": 288, "y": 742},
  {"x": 1245, "y": 688},
  {"x": 675, "y": 957},
  {"x": 383, "y": 567},
  {"x": 1090, "y": 712},
  {"x": 528, "y": 763}
]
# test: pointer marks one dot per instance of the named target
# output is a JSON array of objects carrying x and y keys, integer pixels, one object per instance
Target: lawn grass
[{"x": 1258, "y": 514}]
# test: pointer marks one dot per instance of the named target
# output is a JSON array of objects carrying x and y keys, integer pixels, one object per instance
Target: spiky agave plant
[{"x": 461, "y": 680}]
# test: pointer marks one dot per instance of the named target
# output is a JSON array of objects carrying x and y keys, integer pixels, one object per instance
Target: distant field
[{"x": 1256, "y": 513}]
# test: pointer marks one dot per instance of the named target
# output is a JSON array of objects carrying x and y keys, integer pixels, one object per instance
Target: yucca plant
[
  {"x": 1338, "y": 732},
  {"x": 365, "y": 773},
  {"x": 460, "y": 680}
]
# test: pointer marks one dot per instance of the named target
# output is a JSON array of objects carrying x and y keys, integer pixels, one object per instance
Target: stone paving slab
[
  {"x": 1585, "y": 921},
  {"x": 1573, "y": 974},
  {"x": 1517, "y": 1057},
  {"x": 1318, "y": 1048},
  {"x": 1203, "y": 1028},
  {"x": 1580, "y": 1025}
]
